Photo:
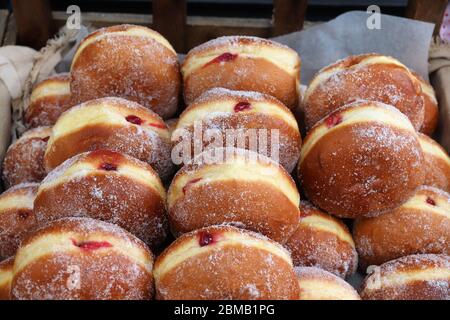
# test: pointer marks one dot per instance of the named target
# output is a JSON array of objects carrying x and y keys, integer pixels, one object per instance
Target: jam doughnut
[
  {"x": 24, "y": 159},
  {"x": 108, "y": 186},
  {"x": 5, "y": 278},
  {"x": 368, "y": 76},
  {"x": 127, "y": 61},
  {"x": 82, "y": 259},
  {"x": 243, "y": 63},
  {"x": 437, "y": 164},
  {"x": 255, "y": 117},
  {"x": 114, "y": 124},
  {"x": 16, "y": 216},
  {"x": 224, "y": 263},
  {"x": 420, "y": 225},
  {"x": 318, "y": 284},
  {"x": 361, "y": 160},
  {"x": 237, "y": 191},
  {"x": 48, "y": 100},
  {"x": 430, "y": 120},
  {"x": 415, "y": 277},
  {"x": 322, "y": 241}
]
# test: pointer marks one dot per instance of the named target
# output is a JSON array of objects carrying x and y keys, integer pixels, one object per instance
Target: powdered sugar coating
[
  {"x": 24, "y": 158},
  {"x": 435, "y": 286},
  {"x": 98, "y": 275},
  {"x": 135, "y": 67}
]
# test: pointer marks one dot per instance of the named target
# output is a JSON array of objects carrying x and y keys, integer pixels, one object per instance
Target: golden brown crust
[
  {"x": 361, "y": 167},
  {"x": 274, "y": 116},
  {"x": 44, "y": 109},
  {"x": 430, "y": 120},
  {"x": 248, "y": 73},
  {"x": 388, "y": 82},
  {"x": 236, "y": 264},
  {"x": 415, "y": 227},
  {"x": 99, "y": 193},
  {"x": 318, "y": 284},
  {"x": 17, "y": 218},
  {"x": 138, "y": 68},
  {"x": 146, "y": 143},
  {"x": 415, "y": 277},
  {"x": 5, "y": 278},
  {"x": 81, "y": 272},
  {"x": 24, "y": 159},
  {"x": 437, "y": 164},
  {"x": 322, "y": 241},
  {"x": 233, "y": 199}
]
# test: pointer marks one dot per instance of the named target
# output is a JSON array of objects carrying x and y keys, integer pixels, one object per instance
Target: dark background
[{"x": 318, "y": 10}]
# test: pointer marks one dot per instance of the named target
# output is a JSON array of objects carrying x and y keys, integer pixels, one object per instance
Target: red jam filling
[
  {"x": 333, "y": 120},
  {"x": 242, "y": 106},
  {"x": 205, "y": 238},
  {"x": 431, "y": 201},
  {"x": 108, "y": 166},
  {"x": 157, "y": 125},
  {"x": 224, "y": 57},
  {"x": 91, "y": 245},
  {"x": 190, "y": 183},
  {"x": 45, "y": 139},
  {"x": 134, "y": 119}
]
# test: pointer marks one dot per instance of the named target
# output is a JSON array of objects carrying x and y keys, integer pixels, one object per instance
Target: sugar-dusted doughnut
[
  {"x": 108, "y": 186},
  {"x": 48, "y": 100},
  {"x": 243, "y": 63},
  {"x": 24, "y": 158},
  {"x": 414, "y": 277},
  {"x": 420, "y": 225},
  {"x": 224, "y": 262},
  {"x": 114, "y": 124},
  {"x": 318, "y": 284},
  {"x": 431, "y": 117},
  {"x": 259, "y": 122},
  {"x": 322, "y": 241},
  {"x": 5, "y": 278},
  {"x": 128, "y": 61},
  {"x": 82, "y": 259},
  {"x": 437, "y": 163},
  {"x": 244, "y": 188},
  {"x": 361, "y": 160},
  {"x": 368, "y": 76},
  {"x": 16, "y": 216}
]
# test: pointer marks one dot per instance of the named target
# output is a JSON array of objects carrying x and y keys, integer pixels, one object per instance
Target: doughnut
[
  {"x": 16, "y": 217},
  {"x": 127, "y": 61},
  {"x": 322, "y": 241},
  {"x": 224, "y": 263},
  {"x": 361, "y": 160},
  {"x": 420, "y": 225},
  {"x": 114, "y": 124},
  {"x": 414, "y": 277},
  {"x": 253, "y": 116},
  {"x": 318, "y": 284},
  {"x": 437, "y": 163},
  {"x": 5, "y": 278},
  {"x": 430, "y": 120},
  {"x": 48, "y": 100},
  {"x": 108, "y": 186},
  {"x": 24, "y": 158},
  {"x": 237, "y": 191},
  {"x": 243, "y": 63},
  {"x": 367, "y": 76},
  {"x": 82, "y": 259}
]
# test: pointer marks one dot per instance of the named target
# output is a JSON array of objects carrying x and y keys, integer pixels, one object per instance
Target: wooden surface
[
  {"x": 34, "y": 22},
  {"x": 288, "y": 16},
  {"x": 427, "y": 10},
  {"x": 169, "y": 19}
]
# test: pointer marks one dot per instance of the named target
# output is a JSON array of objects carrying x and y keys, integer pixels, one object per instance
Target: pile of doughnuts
[{"x": 94, "y": 207}]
